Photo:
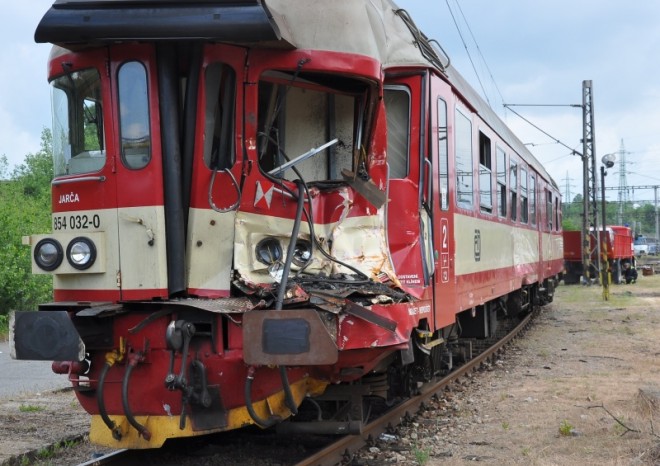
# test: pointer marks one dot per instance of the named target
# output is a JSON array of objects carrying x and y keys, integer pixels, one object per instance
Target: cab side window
[
  {"x": 134, "y": 115},
  {"x": 501, "y": 182},
  {"x": 513, "y": 189},
  {"x": 397, "y": 104},
  {"x": 220, "y": 82},
  {"x": 443, "y": 155},
  {"x": 524, "y": 206},
  {"x": 532, "y": 200},
  {"x": 485, "y": 174}
]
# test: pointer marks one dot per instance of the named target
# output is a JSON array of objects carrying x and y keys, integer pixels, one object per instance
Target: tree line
[
  {"x": 640, "y": 218},
  {"x": 25, "y": 209}
]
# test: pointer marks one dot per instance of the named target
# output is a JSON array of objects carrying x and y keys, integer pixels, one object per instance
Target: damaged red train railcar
[{"x": 267, "y": 210}]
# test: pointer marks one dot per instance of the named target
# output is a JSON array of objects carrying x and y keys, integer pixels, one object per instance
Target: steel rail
[{"x": 346, "y": 447}]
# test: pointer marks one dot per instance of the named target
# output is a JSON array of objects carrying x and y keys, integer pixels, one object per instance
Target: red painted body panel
[{"x": 60, "y": 295}]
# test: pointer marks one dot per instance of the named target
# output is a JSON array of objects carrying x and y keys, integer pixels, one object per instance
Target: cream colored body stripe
[{"x": 483, "y": 245}]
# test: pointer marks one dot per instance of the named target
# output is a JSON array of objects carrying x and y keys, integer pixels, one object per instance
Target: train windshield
[
  {"x": 310, "y": 123},
  {"x": 78, "y": 140}
]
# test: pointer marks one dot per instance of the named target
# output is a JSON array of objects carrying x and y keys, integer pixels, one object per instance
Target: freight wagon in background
[{"x": 619, "y": 241}]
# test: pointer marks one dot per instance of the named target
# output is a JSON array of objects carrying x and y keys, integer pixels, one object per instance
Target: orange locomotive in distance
[
  {"x": 272, "y": 213},
  {"x": 616, "y": 243}
]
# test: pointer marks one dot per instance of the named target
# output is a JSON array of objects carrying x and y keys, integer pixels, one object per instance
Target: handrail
[{"x": 76, "y": 180}]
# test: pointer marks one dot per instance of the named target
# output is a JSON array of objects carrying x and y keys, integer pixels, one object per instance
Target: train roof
[
  {"x": 380, "y": 29},
  {"x": 374, "y": 28}
]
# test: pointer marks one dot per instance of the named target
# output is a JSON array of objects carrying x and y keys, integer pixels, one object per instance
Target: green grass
[
  {"x": 30, "y": 408},
  {"x": 565, "y": 428},
  {"x": 422, "y": 456}
]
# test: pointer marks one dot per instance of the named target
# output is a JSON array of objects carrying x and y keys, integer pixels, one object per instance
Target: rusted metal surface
[{"x": 287, "y": 337}]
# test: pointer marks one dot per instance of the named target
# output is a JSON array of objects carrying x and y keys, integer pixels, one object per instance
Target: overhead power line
[{"x": 573, "y": 151}]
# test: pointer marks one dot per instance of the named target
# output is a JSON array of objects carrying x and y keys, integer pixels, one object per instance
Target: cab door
[
  {"x": 217, "y": 168},
  {"x": 441, "y": 141},
  {"x": 138, "y": 171},
  {"x": 406, "y": 217},
  {"x": 84, "y": 187}
]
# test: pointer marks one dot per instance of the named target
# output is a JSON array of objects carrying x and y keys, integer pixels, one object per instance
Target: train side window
[
  {"x": 549, "y": 209},
  {"x": 463, "y": 161},
  {"x": 532, "y": 199},
  {"x": 524, "y": 207},
  {"x": 513, "y": 189},
  {"x": 443, "y": 155},
  {"x": 557, "y": 213},
  {"x": 485, "y": 174},
  {"x": 219, "y": 122},
  {"x": 78, "y": 136},
  {"x": 501, "y": 182},
  {"x": 134, "y": 115},
  {"x": 397, "y": 108}
]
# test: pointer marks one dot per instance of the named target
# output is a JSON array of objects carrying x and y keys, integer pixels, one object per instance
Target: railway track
[{"x": 344, "y": 449}]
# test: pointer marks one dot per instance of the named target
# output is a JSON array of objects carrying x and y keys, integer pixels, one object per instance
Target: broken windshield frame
[{"x": 301, "y": 114}]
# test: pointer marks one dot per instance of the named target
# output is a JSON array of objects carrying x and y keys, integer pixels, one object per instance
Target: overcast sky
[{"x": 526, "y": 52}]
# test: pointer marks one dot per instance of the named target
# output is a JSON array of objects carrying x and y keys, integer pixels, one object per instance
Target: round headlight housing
[
  {"x": 48, "y": 254},
  {"x": 269, "y": 251},
  {"x": 81, "y": 253},
  {"x": 302, "y": 253}
]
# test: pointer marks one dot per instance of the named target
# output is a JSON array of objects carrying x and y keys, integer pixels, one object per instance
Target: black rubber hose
[
  {"x": 144, "y": 432},
  {"x": 292, "y": 246},
  {"x": 261, "y": 422},
  {"x": 288, "y": 395},
  {"x": 310, "y": 222},
  {"x": 116, "y": 433}
]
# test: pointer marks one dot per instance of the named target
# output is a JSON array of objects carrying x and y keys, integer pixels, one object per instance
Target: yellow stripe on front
[{"x": 162, "y": 428}]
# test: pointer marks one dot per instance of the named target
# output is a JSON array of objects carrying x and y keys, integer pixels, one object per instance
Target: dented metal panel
[{"x": 359, "y": 241}]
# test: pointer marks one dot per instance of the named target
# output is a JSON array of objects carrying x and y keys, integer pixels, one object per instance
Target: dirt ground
[{"x": 581, "y": 387}]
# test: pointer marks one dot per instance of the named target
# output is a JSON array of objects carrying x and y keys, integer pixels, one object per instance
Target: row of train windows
[
  {"x": 518, "y": 202},
  {"x": 522, "y": 188}
]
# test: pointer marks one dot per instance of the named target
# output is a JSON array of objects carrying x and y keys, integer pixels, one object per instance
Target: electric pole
[
  {"x": 589, "y": 180},
  {"x": 624, "y": 198}
]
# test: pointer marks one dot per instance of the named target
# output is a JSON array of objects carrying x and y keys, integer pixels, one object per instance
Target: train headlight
[
  {"x": 302, "y": 253},
  {"x": 269, "y": 251},
  {"x": 81, "y": 253},
  {"x": 48, "y": 254}
]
